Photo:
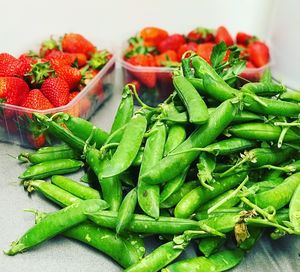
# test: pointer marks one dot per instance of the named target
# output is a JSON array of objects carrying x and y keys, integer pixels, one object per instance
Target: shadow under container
[{"x": 15, "y": 120}]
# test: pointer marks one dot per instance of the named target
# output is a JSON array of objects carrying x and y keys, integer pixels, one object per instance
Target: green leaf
[
  {"x": 234, "y": 70},
  {"x": 218, "y": 53}
]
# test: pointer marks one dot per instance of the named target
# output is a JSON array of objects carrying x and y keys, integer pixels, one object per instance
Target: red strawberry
[
  {"x": 243, "y": 38},
  {"x": 223, "y": 35},
  {"x": 58, "y": 58},
  {"x": 76, "y": 43},
  {"x": 56, "y": 90},
  {"x": 258, "y": 53},
  {"x": 250, "y": 72},
  {"x": 186, "y": 47},
  {"x": 71, "y": 75},
  {"x": 163, "y": 58},
  {"x": 10, "y": 66},
  {"x": 152, "y": 36},
  {"x": 173, "y": 42},
  {"x": 80, "y": 59},
  {"x": 13, "y": 90},
  {"x": 73, "y": 95},
  {"x": 146, "y": 78},
  {"x": 36, "y": 100},
  {"x": 36, "y": 141},
  {"x": 48, "y": 46},
  {"x": 204, "y": 50},
  {"x": 200, "y": 35}
]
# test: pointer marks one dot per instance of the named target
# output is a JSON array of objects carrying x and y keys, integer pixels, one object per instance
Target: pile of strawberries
[
  {"x": 155, "y": 47},
  {"x": 50, "y": 78}
]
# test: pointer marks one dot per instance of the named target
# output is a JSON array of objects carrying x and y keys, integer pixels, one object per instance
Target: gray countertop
[{"x": 61, "y": 254}]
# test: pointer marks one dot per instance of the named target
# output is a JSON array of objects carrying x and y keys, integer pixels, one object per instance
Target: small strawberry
[
  {"x": 11, "y": 66},
  {"x": 186, "y": 47},
  {"x": 58, "y": 58},
  {"x": 172, "y": 42},
  {"x": 243, "y": 38},
  {"x": 70, "y": 74},
  {"x": 258, "y": 53},
  {"x": 146, "y": 78},
  {"x": 48, "y": 46},
  {"x": 80, "y": 59},
  {"x": 76, "y": 43},
  {"x": 204, "y": 50},
  {"x": 200, "y": 35},
  {"x": 36, "y": 100},
  {"x": 223, "y": 35},
  {"x": 56, "y": 90},
  {"x": 165, "y": 58},
  {"x": 13, "y": 90},
  {"x": 36, "y": 141},
  {"x": 152, "y": 36}
]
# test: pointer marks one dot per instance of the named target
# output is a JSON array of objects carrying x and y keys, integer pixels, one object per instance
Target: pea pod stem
[{"x": 263, "y": 222}]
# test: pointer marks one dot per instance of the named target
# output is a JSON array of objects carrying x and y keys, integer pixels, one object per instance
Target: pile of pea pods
[{"x": 212, "y": 166}]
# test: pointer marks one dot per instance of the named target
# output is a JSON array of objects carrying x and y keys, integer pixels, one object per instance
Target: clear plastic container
[{"x": 15, "y": 120}]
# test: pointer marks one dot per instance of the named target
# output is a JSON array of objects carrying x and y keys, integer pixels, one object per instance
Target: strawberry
[
  {"x": 48, "y": 46},
  {"x": 99, "y": 59},
  {"x": 204, "y": 50},
  {"x": 146, "y": 78},
  {"x": 172, "y": 42},
  {"x": 58, "y": 58},
  {"x": 36, "y": 141},
  {"x": 11, "y": 66},
  {"x": 243, "y": 38},
  {"x": 76, "y": 43},
  {"x": 70, "y": 74},
  {"x": 13, "y": 90},
  {"x": 73, "y": 95},
  {"x": 36, "y": 100},
  {"x": 38, "y": 72},
  {"x": 250, "y": 72},
  {"x": 56, "y": 90},
  {"x": 258, "y": 53},
  {"x": 186, "y": 47},
  {"x": 164, "y": 58},
  {"x": 200, "y": 35},
  {"x": 80, "y": 59},
  {"x": 152, "y": 36},
  {"x": 223, "y": 35}
]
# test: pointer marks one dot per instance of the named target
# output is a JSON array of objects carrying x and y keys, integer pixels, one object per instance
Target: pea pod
[
  {"x": 210, "y": 245},
  {"x": 50, "y": 168},
  {"x": 294, "y": 212},
  {"x": 148, "y": 195},
  {"x": 227, "y": 259},
  {"x": 171, "y": 114},
  {"x": 263, "y": 88},
  {"x": 75, "y": 188},
  {"x": 254, "y": 235},
  {"x": 290, "y": 95},
  {"x": 126, "y": 211},
  {"x": 139, "y": 158},
  {"x": 176, "y": 135},
  {"x": 193, "y": 200},
  {"x": 171, "y": 166},
  {"x": 55, "y": 223},
  {"x": 197, "y": 109},
  {"x": 128, "y": 147},
  {"x": 125, "y": 110}
]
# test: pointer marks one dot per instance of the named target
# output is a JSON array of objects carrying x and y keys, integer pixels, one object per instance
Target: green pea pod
[
  {"x": 227, "y": 259},
  {"x": 172, "y": 165},
  {"x": 75, "y": 188},
  {"x": 128, "y": 147},
  {"x": 294, "y": 212},
  {"x": 106, "y": 241},
  {"x": 293, "y": 96},
  {"x": 61, "y": 152},
  {"x": 50, "y": 168},
  {"x": 52, "y": 192},
  {"x": 157, "y": 259},
  {"x": 125, "y": 110},
  {"x": 83, "y": 129},
  {"x": 197, "y": 109},
  {"x": 206, "y": 166},
  {"x": 148, "y": 195},
  {"x": 210, "y": 245},
  {"x": 116, "y": 136},
  {"x": 280, "y": 195},
  {"x": 174, "y": 198},
  {"x": 266, "y": 185},
  {"x": 172, "y": 186},
  {"x": 254, "y": 235},
  {"x": 55, "y": 223},
  {"x": 262, "y": 132},
  {"x": 171, "y": 114},
  {"x": 139, "y": 157},
  {"x": 111, "y": 187},
  {"x": 193, "y": 200},
  {"x": 176, "y": 135},
  {"x": 53, "y": 148},
  {"x": 126, "y": 211},
  {"x": 263, "y": 89}
]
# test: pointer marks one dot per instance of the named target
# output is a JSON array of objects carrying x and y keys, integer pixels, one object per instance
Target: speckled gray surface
[{"x": 63, "y": 255}]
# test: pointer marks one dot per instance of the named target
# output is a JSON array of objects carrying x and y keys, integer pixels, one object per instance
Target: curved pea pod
[
  {"x": 171, "y": 114},
  {"x": 263, "y": 88},
  {"x": 293, "y": 96},
  {"x": 262, "y": 132},
  {"x": 52, "y": 192},
  {"x": 280, "y": 195},
  {"x": 157, "y": 259},
  {"x": 106, "y": 241},
  {"x": 146, "y": 224},
  {"x": 116, "y": 136},
  {"x": 83, "y": 129},
  {"x": 172, "y": 165},
  {"x": 193, "y": 200},
  {"x": 55, "y": 223},
  {"x": 49, "y": 154},
  {"x": 227, "y": 259},
  {"x": 148, "y": 195},
  {"x": 266, "y": 185},
  {"x": 197, "y": 109},
  {"x": 126, "y": 210},
  {"x": 176, "y": 135},
  {"x": 128, "y": 147},
  {"x": 50, "y": 168},
  {"x": 125, "y": 110},
  {"x": 294, "y": 210},
  {"x": 75, "y": 188},
  {"x": 174, "y": 198},
  {"x": 210, "y": 245}
]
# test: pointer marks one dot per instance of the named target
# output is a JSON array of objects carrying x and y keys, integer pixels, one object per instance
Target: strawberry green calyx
[
  {"x": 39, "y": 72},
  {"x": 137, "y": 47},
  {"x": 50, "y": 44},
  {"x": 99, "y": 59}
]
